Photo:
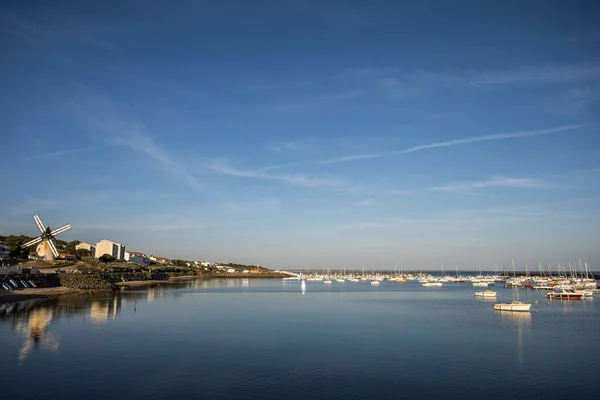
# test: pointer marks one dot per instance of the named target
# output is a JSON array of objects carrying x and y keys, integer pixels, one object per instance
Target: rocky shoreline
[{"x": 52, "y": 285}]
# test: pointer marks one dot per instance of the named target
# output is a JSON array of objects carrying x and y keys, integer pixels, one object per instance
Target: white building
[
  {"x": 86, "y": 246},
  {"x": 137, "y": 257},
  {"x": 111, "y": 248},
  {"x": 160, "y": 260}
]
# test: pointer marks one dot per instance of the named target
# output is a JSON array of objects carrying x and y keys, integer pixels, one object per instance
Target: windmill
[{"x": 46, "y": 247}]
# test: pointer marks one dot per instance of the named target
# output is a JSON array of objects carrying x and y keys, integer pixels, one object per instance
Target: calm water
[{"x": 264, "y": 339}]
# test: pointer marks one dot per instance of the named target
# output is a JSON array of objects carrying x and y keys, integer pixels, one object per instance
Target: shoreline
[
  {"x": 50, "y": 292},
  {"x": 36, "y": 293}
]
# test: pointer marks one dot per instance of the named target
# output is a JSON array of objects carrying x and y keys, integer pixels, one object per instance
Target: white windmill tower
[{"x": 46, "y": 247}]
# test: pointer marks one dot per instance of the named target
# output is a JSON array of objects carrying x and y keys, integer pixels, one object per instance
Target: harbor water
[{"x": 274, "y": 339}]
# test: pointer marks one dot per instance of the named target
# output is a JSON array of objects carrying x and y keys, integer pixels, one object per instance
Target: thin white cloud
[
  {"x": 494, "y": 182},
  {"x": 60, "y": 153},
  {"x": 284, "y": 147},
  {"x": 367, "y": 202},
  {"x": 450, "y": 143},
  {"x": 112, "y": 125},
  {"x": 537, "y": 74},
  {"x": 297, "y": 179}
]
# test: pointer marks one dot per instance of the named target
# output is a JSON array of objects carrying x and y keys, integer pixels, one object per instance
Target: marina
[{"x": 333, "y": 338}]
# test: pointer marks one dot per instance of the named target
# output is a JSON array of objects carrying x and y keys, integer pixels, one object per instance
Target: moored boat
[
  {"x": 565, "y": 294},
  {"x": 514, "y": 306},
  {"x": 486, "y": 293}
]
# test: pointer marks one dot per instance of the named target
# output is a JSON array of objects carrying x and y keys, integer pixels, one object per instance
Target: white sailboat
[{"x": 515, "y": 305}]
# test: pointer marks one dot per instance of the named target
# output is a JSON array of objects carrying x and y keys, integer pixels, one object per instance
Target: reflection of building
[
  {"x": 111, "y": 248},
  {"x": 103, "y": 310},
  {"x": 36, "y": 332},
  {"x": 86, "y": 246}
]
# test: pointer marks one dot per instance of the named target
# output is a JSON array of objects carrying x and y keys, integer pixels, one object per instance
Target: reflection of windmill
[{"x": 46, "y": 247}]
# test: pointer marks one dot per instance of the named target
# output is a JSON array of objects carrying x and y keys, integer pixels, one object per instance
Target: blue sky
[{"x": 307, "y": 133}]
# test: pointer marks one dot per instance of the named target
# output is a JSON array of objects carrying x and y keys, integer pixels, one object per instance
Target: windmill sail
[
  {"x": 60, "y": 230},
  {"x": 39, "y": 223}
]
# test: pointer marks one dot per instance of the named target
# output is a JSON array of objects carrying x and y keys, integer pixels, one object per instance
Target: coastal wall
[{"x": 85, "y": 282}]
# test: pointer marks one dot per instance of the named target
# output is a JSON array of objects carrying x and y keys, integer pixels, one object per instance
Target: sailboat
[{"x": 515, "y": 305}]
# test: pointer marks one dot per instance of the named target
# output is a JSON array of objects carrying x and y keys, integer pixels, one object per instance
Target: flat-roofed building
[
  {"x": 111, "y": 248},
  {"x": 86, "y": 246}
]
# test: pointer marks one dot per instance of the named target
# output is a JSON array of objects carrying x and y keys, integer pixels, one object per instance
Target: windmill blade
[
  {"x": 53, "y": 247},
  {"x": 39, "y": 224},
  {"x": 31, "y": 243},
  {"x": 61, "y": 230}
]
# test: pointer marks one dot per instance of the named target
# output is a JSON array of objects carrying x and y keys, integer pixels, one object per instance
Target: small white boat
[
  {"x": 514, "y": 306},
  {"x": 340, "y": 280},
  {"x": 375, "y": 283},
  {"x": 433, "y": 284},
  {"x": 327, "y": 281},
  {"x": 486, "y": 293},
  {"x": 480, "y": 284}
]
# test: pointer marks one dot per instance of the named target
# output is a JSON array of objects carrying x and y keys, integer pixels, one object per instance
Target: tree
[
  {"x": 71, "y": 246},
  {"x": 106, "y": 258},
  {"x": 80, "y": 253}
]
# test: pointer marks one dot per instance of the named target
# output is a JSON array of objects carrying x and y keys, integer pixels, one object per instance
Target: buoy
[{"x": 535, "y": 310}]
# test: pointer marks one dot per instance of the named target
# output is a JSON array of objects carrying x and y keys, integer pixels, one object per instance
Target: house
[
  {"x": 129, "y": 254},
  {"x": 160, "y": 260},
  {"x": 137, "y": 257},
  {"x": 111, "y": 248}
]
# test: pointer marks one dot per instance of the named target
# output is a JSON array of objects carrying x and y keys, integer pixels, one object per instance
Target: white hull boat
[
  {"x": 486, "y": 293},
  {"x": 433, "y": 284},
  {"x": 514, "y": 306},
  {"x": 375, "y": 283}
]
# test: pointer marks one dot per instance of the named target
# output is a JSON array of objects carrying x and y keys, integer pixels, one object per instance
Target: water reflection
[
  {"x": 35, "y": 332},
  {"x": 103, "y": 310},
  {"x": 522, "y": 320},
  {"x": 32, "y": 319}
]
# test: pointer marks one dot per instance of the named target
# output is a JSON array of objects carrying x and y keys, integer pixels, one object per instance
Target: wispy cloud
[
  {"x": 538, "y": 74},
  {"x": 450, "y": 143},
  {"x": 62, "y": 29},
  {"x": 284, "y": 147},
  {"x": 574, "y": 100},
  {"x": 298, "y": 179},
  {"x": 366, "y": 202},
  {"x": 494, "y": 182},
  {"x": 394, "y": 87},
  {"x": 62, "y": 152},
  {"x": 107, "y": 122}
]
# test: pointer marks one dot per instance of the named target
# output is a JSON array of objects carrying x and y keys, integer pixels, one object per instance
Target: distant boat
[
  {"x": 433, "y": 284},
  {"x": 327, "y": 281},
  {"x": 486, "y": 293},
  {"x": 514, "y": 306},
  {"x": 375, "y": 283},
  {"x": 565, "y": 294}
]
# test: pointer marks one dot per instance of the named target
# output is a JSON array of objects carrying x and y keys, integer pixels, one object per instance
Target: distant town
[{"x": 108, "y": 251}]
